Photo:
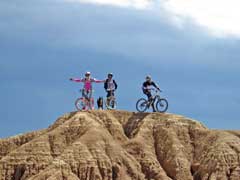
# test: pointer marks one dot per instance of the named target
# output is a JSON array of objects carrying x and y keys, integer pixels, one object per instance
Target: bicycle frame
[
  {"x": 156, "y": 95},
  {"x": 158, "y": 104}
]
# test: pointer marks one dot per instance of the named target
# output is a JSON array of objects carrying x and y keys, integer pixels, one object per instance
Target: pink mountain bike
[{"x": 83, "y": 103}]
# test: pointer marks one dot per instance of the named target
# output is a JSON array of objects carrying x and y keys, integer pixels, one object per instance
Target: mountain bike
[
  {"x": 83, "y": 103},
  {"x": 111, "y": 102},
  {"x": 160, "y": 104}
]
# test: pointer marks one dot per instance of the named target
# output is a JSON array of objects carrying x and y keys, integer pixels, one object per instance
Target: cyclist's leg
[
  {"x": 148, "y": 94},
  {"x": 153, "y": 107},
  {"x": 89, "y": 94},
  {"x": 150, "y": 98},
  {"x": 108, "y": 97},
  {"x": 91, "y": 101},
  {"x": 108, "y": 94},
  {"x": 112, "y": 93},
  {"x": 85, "y": 93},
  {"x": 112, "y": 98}
]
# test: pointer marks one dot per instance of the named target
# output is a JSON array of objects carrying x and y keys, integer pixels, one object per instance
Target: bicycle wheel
[
  {"x": 111, "y": 103},
  {"x": 80, "y": 104},
  {"x": 162, "y": 105},
  {"x": 142, "y": 105}
]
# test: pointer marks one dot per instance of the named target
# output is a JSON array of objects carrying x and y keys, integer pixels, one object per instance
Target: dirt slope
[{"x": 120, "y": 145}]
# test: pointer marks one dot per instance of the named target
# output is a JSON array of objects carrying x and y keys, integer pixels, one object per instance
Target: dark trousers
[
  {"x": 110, "y": 93},
  {"x": 149, "y": 95},
  {"x": 87, "y": 94}
]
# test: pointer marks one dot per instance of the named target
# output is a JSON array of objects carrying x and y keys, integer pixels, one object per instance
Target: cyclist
[
  {"x": 87, "y": 88},
  {"x": 146, "y": 87},
  {"x": 110, "y": 86}
]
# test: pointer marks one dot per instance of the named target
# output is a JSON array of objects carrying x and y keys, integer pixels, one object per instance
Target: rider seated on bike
[
  {"x": 87, "y": 88},
  {"x": 147, "y": 89},
  {"x": 110, "y": 86}
]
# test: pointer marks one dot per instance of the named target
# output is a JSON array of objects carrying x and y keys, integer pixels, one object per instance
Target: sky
[{"x": 189, "y": 47}]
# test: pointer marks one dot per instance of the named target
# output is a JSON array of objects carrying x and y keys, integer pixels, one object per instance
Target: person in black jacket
[
  {"x": 110, "y": 85},
  {"x": 146, "y": 87}
]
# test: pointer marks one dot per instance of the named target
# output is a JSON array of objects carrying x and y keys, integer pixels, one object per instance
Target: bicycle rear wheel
[
  {"x": 142, "y": 105},
  {"x": 162, "y": 105}
]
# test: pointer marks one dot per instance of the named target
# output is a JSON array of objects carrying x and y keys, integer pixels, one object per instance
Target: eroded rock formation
[{"x": 119, "y": 145}]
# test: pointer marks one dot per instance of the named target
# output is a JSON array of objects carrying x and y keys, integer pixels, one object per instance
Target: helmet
[
  {"x": 110, "y": 74},
  {"x": 87, "y": 73},
  {"x": 148, "y": 78}
]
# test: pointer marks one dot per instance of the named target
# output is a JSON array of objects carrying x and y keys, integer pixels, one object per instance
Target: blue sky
[{"x": 44, "y": 43}]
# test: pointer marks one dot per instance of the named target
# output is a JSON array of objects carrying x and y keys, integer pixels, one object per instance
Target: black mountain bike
[{"x": 160, "y": 104}]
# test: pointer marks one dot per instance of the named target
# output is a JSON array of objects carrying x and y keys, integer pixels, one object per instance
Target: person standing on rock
[
  {"x": 110, "y": 86},
  {"x": 146, "y": 87},
  {"x": 87, "y": 88}
]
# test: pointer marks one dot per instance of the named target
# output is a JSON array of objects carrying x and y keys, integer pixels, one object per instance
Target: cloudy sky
[{"x": 190, "y": 47}]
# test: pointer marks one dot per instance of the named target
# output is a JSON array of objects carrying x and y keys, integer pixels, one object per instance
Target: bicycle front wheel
[
  {"x": 111, "y": 103},
  {"x": 162, "y": 105},
  {"x": 141, "y": 105},
  {"x": 80, "y": 104}
]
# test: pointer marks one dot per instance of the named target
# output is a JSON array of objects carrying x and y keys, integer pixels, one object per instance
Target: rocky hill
[{"x": 119, "y": 145}]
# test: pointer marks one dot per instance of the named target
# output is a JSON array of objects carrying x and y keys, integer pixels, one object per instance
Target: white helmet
[
  {"x": 110, "y": 74},
  {"x": 87, "y": 73}
]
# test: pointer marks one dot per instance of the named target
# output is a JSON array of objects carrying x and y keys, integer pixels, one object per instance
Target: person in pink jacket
[{"x": 87, "y": 87}]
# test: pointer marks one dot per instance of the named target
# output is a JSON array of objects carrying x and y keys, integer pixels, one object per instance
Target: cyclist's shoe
[{"x": 153, "y": 108}]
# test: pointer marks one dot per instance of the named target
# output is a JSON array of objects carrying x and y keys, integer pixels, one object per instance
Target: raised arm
[
  {"x": 98, "y": 81},
  {"x": 76, "y": 80}
]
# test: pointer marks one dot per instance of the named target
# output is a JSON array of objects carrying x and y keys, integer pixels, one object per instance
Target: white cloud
[
  {"x": 220, "y": 17},
  {"x": 138, "y": 4}
]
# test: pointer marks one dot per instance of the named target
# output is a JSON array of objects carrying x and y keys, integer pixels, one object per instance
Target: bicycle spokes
[
  {"x": 162, "y": 105},
  {"x": 84, "y": 104},
  {"x": 141, "y": 105}
]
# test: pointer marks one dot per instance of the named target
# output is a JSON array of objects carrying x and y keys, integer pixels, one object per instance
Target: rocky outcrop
[{"x": 119, "y": 145}]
